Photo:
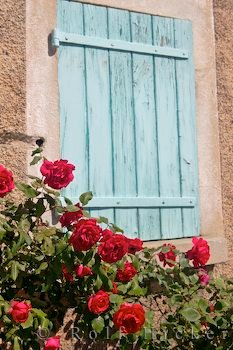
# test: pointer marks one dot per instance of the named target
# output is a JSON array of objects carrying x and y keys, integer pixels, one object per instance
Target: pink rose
[
  {"x": 203, "y": 277},
  {"x": 52, "y": 343}
]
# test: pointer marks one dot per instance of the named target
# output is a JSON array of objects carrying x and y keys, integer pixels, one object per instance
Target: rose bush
[{"x": 150, "y": 298}]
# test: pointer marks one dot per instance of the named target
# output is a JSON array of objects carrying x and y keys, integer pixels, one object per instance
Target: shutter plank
[
  {"x": 98, "y": 105},
  {"x": 123, "y": 121},
  {"x": 145, "y": 121},
  {"x": 168, "y": 144},
  {"x": 187, "y": 125},
  {"x": 73, "y": 118}
]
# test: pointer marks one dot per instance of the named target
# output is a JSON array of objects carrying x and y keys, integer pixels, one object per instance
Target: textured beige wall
[
  {"x": 223, "y": 14},
  {"x": 41, "y": 76},
  {"x": 13, "y": 141}
]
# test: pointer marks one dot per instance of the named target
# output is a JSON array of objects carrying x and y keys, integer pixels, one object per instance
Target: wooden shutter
[{"x": 127, "y": 107}]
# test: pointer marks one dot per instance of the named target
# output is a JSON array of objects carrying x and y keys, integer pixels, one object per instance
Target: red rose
[
  {"x": 130, "y": 318},
  {"x": 82, "y": 271},
  {"x": 203, "y": 277},
  {"x": 170, "y": 255},
  {"x": 6, "y": 181},
  {"x": 99, "y": 302},
  {"x": 106, "y": 234},
  {"x": 57, "y": 174},
  {"x": 68, "y": 276},
  {"x": 200, "y": 252},
  {"x": 211, "y": 306},
  {"x": 114, "y": 288},
  {"x": 52, "y": 343},
  {"x": 135, "y": 245},
  {"x": 20, "y": 311},
  {"x": 86, "y": 233},
  {"x": 69, "y": 217},
  {"x": 127, "y": 273},
  {"x": 113, "y": 247}
]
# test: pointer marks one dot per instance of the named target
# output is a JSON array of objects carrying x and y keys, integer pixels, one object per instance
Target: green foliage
[{"x": 34, "y": 253}]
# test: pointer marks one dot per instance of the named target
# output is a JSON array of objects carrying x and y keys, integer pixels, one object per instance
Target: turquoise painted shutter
[{"x": 127, "y": 106}]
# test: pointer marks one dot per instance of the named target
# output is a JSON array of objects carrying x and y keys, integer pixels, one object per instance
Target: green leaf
[
  {"x": 184, "y": 278},
  {"x": 203, "y": 305},
  {"x": 115, "y": 299},
  {"x": 116, "y": 336},
  {"x": 176, "y": 298},
  {"x": 10, "y": 333},
  {"x": 190, "y": 314},
  {"x": 39, "y": 313},
  {"x": 14, "y": 270},
  {"x": 29, "y": 191},
  {"x": 26, "y": 238},
  {"x": 210, "y": 320},
  {"x": 72, "y": 208},
  {"x": 98, "y": 282},
  {"x": 48, "y": 247},
  {"x": 68, "y": 201},
  {"x": 43, "y": 266},
  {"x": 103, "y": 220},
  {"x": 86, "y": 197},
  {"x": 165, "y": 249},
  {"x": 35, "y": 160},
  {"x": 28, "y": 323},
  {"x": 219, "y": 282},
  {"x": 98, "y": 324},
  {"x": 40, "y": 207},
  {"x": 16, "y": 345},
  {"x": 37, "y": 150},
  {"x": 116, "y": 228}
]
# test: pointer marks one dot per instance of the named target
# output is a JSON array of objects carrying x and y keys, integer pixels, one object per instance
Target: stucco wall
[
  {"x": 13, "y": 140},
  {"x": 223, "y": 15}
]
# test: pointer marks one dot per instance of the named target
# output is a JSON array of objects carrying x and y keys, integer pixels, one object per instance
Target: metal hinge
[{"x": 117, "y": 45}]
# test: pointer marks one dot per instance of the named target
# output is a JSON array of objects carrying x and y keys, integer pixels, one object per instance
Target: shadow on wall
[{"x": 8, "y": 137}]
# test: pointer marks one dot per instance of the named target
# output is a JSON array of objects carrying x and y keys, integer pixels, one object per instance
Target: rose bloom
[
  {"x": 127, "y": 273},
  {"x": 52, "y": 343},
  {"x": 135, "y": 245},
  {"x": 200, "y": 252},
  {"x": 114, "y": 288},
  {"x": 69, "y": 217},
  {"x": 203, "y": 277},
  {"x": 99, "y": 302},
  {"x": 82, "y": 271},
  {"x": 211, "y": 306},
  {"x": 113, "y": 247},
  {"x": 86, "y": 234},
  {"x": 6, "y": 181},
  {"x": 170, "y": 255},
  {"x": 68, "y": 276},
  {"x": 130, "y": 318},
  {"x": 19, "y": 311},
  {"x": 57, "y": 174}
]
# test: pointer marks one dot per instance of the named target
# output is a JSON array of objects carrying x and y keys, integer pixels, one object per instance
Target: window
[{"x": 128, "y": 117}]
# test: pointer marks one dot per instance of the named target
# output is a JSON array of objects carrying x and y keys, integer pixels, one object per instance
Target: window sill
[{"x": 218, "y": 247}]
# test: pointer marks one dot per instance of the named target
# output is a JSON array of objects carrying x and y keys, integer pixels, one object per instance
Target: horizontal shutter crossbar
[
  {"x": 119, "y": 45},
  {"x": 140, "y": 202}
]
